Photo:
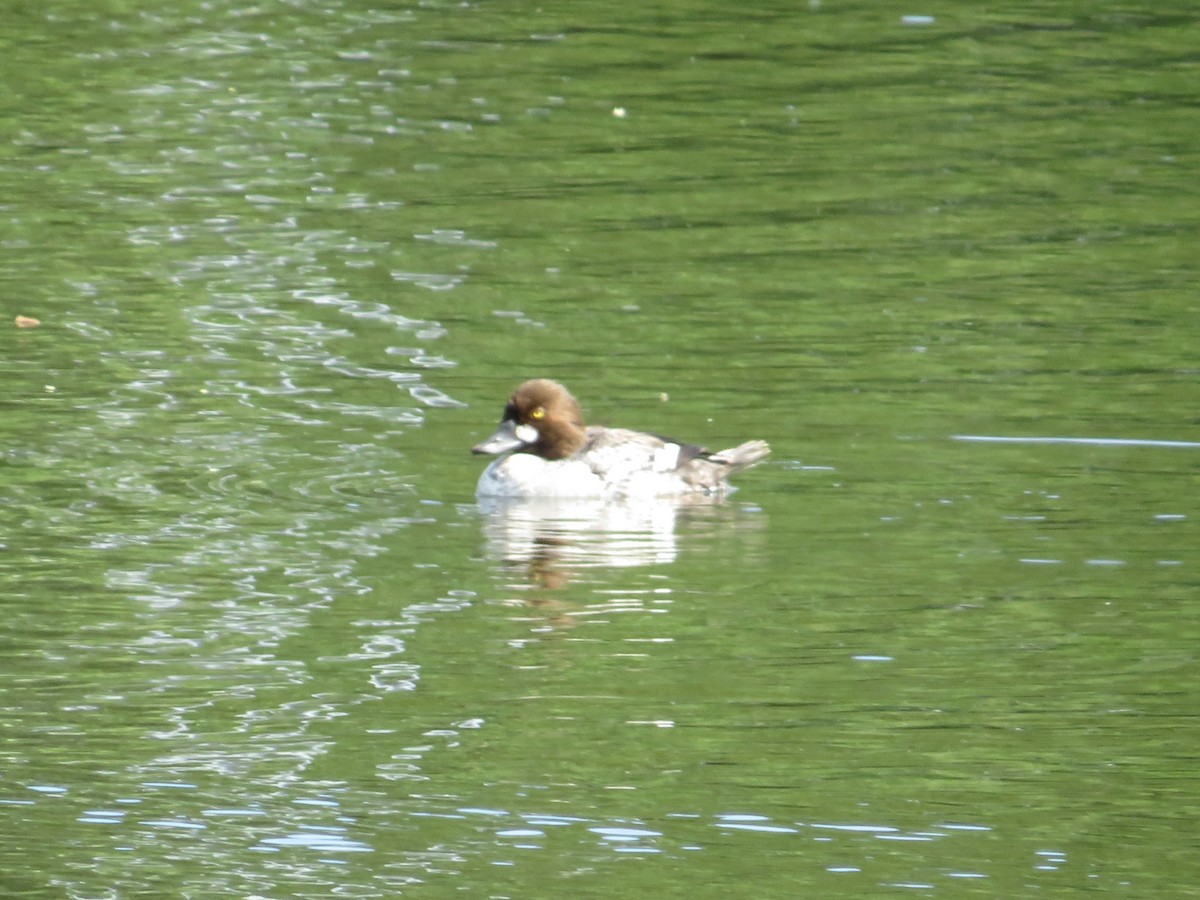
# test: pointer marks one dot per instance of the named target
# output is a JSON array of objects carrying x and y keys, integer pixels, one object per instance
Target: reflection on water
[
  {"x": 550, "y": 538},
  {"x": 579, "y": 532},
  {"x": 1086, "y": 441}
]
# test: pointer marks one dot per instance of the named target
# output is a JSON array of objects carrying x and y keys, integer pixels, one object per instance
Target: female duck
[{"x": 548, "y": 452}]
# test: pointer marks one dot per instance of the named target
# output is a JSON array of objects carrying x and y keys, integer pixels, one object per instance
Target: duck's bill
[{"x": 509, "y": 436}]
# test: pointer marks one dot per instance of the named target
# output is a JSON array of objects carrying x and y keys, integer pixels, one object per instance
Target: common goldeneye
[{"x": 548, "y": 452}]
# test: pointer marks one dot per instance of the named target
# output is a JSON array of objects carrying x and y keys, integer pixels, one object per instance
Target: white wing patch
[{"x": 666, "y": 458}]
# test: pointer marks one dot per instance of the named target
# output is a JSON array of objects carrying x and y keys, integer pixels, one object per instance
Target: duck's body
[{"x": 549, "y": 452}]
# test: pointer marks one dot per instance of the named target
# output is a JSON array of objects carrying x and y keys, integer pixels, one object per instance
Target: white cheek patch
[
  {"x": 666, "y": 457},
  {"x": 526, "y": 433}
]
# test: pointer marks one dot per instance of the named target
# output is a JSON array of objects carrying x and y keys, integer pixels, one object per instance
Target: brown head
[{"x": 541, "y": 418}]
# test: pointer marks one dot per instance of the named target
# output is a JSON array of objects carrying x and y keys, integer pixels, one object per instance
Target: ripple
[
  {"x": 174, "y": 823},
  {"x": 624, "y": 834},
  {"x": 1092, "y": 441},
  {"x": 431, "y": 396},
  {"x": 454, "y": 237},
  {"x": 321, "y": 841},
  {"x": 433, "y": 281}
]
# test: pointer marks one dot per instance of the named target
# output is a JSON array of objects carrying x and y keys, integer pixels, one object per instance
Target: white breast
[{"x": 526, "y": 475}]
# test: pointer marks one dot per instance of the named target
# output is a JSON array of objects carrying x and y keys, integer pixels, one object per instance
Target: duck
[{"x": 546, "y": 451}]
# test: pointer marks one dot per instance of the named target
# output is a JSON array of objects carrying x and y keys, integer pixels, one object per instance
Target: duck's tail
[{"x": 742, "y": 456}]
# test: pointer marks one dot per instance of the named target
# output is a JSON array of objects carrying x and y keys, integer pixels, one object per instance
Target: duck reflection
[{"x": 552, "y": 539}]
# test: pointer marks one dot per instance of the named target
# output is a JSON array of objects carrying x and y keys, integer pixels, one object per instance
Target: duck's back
[{"x": 637, "y": 463}]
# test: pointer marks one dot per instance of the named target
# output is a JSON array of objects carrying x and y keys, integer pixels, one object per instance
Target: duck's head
[{"x": 541, "y": 418}]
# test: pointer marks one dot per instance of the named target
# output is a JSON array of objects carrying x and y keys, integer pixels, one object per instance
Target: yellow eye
[{"x": 539, "y": 413}]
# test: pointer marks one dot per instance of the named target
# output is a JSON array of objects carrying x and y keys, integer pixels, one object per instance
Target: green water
[{"x": 289, "y": 261}]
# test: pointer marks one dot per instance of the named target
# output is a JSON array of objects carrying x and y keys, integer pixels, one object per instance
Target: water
[{"x": 289, "y": 262}]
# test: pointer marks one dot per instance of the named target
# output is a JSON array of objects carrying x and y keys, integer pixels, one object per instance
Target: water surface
[{"x": 288, "y": 264}]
